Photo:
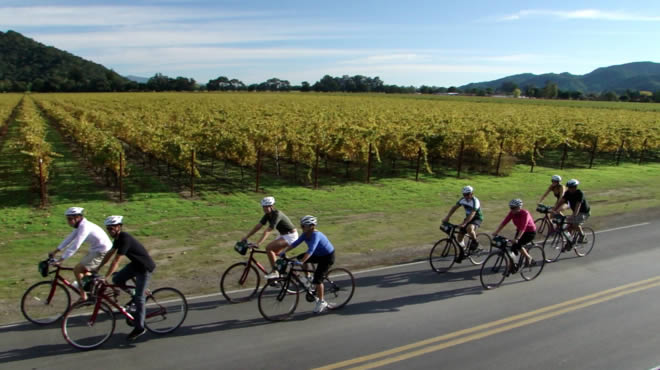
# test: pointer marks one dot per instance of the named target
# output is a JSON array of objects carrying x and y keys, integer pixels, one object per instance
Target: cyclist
[
  {"x": 473, "y": 219},
  {"x": 525, "y": 228},
  {"x": 556, "y": 188},
  {"x": 319, "y": 251},
  {"x": 141, "y": 267},
  {"x": 84, "y": 231},
  {"x": 574, "y": 198},
  {"x": 275, "y": 219}
]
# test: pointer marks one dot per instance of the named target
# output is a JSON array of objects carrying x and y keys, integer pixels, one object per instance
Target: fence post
[
  {"x": 369, "y": 165},
  {"x": 316, "y": 169},
  {"x": 563, "y": 156},
  {"x": 192, "y": 174},
  {"x": 419, "y": 158},
  {"x": 42, "y": 183},
  {"x": 121, "y": 175},
  {"x": 593, "y": 152},
  {"x": 499, "y": 158},
  {"x": 618, "y": 154},
  {"x": 641, "y": 155},
  {"x": 258, "y": 169},
  {"x": 460, "y": 159},
  {"x": 536, "y": 144}
]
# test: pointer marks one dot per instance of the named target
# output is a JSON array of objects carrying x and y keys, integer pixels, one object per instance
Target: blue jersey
[{"x": 317, "y": 244}]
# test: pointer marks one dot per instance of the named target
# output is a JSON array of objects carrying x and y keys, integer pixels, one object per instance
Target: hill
[
  {"x": 635, "y": 76},
  {"x": 29, "y": 65}
]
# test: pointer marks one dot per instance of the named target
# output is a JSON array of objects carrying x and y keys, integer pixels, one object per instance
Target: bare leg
[
  {"x": 273, "y": 249},
  {"x": 79, "y": 271}
]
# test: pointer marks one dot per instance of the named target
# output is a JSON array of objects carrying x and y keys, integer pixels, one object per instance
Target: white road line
[{"x": 370, "y": 270}]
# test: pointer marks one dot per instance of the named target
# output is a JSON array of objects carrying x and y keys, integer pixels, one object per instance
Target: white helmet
[
  {"x": 74, "y": 211},
  {"x": 267, "y": 201},
  {"x": 468, "y": 189},
  {"x": 113, "y": 220},
  {"x": 308, "y": 220},
  {"x": 572, "y": 183},
  {"x": 516, "y": 202},
  {"x": 556, "y": 178}
]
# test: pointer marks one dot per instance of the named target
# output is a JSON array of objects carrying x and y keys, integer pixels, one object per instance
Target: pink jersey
[{"x": 523, "y": 221}]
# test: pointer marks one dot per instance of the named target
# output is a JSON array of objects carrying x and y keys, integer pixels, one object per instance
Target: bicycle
[
  {"x": 89, "y": 324},
  {"x": 45, "y": 302},
  {"x": 446, "y": 251},
  {"x": 557, "y": 243},
  {"x": 240, "y": 281},
  {"x": 501, "y": 263},
  {"x": 544, "y": 225},
  {"x": 279, "y": 298}
]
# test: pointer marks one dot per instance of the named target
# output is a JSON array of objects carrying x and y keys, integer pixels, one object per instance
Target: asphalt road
[{"x": 596, "y": 312}]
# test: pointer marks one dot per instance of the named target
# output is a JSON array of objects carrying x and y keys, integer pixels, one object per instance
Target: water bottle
[
  {"x": 514, "y": 257},
  {"x": 75, "y": 284}
]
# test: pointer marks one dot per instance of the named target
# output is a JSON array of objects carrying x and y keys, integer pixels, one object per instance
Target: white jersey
[{"x": 86, "y": 232}]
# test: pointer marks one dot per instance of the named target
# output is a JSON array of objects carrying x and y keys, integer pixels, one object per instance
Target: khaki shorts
[{"x": 92, "y": 260}]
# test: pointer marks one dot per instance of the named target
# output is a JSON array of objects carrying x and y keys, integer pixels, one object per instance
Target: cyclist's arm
[
  {"x": 560, "y": 203},
  {"x": 106, "y": 258},
  {"x": 545, "y": 195},
  {"x": 254, "y": 230},
  {"x": 503, "y": 223},
  {"x": 113, "y": 265},
  {"x": 469, "y": 218},
  {"x": 265, "y": 235},
  {"x": 63, "y": 244},
  {"x": 451, "y": 212}
]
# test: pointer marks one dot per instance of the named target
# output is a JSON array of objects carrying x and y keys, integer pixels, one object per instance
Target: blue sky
[{"x": 411, "y": 42}]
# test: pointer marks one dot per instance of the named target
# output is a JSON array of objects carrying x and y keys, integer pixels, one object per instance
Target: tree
[
  {"x": 508, "y": 87},
  {"x": 516, "y": 92},
  {"x": 550, "y": 91},
  {"x": 305, "y": 87}
]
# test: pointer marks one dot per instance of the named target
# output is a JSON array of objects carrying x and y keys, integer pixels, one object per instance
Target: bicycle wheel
[
  {"x": 584, "y": 247},
  {"x": 543, "y": 229},
  {"x": 166, "y": 309},
  {"x": 494, "y": 269},
  {"x": 553, "y": 246},
  {"x": 84, "y": 328},
  {"x": 443, "y": 255},
  {"x": 338, "y": 287},
  {"x": 480, "y": 252},
  {"x": 278, "y": 299},
  {"x": 531, "y": 269},
  {"x": 39, "y": 309},
  {"x": 240, "y": 282}
]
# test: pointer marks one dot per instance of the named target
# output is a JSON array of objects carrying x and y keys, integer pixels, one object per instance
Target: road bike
[
  {"x": 240, "y": 281},
  {"x": 503, "y": 262},
  {"x": 557, "y": 243},
  {"x": 89, "y": 324},
  {"x": 544, "y": 225},
  {"x": 45, "y": 302},
  {"x": 447, "y": 251},
  {"x": 279, "y": 298}
]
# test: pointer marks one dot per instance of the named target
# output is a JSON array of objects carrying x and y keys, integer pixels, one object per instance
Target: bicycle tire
[
  {"x": 543, "y": 229},
  {"x": 478, "y": 256},
  {"x": 530, "y": 271},
  {"x": 278, "y": 299},
  {"x": 165, "y": 310},
  {"x": 78, "y": 331},
  {"x": 338, "y": 287},
  {"x": 240, "y": 282},
  {"x": 553, "y": 245},
  {"x": 494, "y": 269},
  {"x": 584, "y": 249},
  {"x": 443, "y": 255},
  {"x": 38, "y": 310}
]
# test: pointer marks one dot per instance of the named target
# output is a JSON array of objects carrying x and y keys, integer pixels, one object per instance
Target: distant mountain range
[
  {"x": 138, "y": 79},
  {"x": 633, "y": 76}
]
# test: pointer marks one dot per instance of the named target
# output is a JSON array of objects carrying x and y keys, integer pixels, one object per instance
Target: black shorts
[
  {"x": 526, "y": 238},
  {"x": 475, "y": 221},
  {"x": 323, "y": 264}
]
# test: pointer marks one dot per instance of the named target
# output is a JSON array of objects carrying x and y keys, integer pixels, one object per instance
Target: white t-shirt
[{"x": 86, "y": 232}]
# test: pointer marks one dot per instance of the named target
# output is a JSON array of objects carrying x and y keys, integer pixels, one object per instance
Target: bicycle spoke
[
  {"x": 42, "y": 308},
  {"x": 85, "y": 328},
  {"x": 166, "y": 309}
]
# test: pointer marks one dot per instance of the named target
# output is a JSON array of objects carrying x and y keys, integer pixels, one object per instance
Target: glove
[
  {"x": 282, "y": 255},
  {"x": 297, "y": 263}
]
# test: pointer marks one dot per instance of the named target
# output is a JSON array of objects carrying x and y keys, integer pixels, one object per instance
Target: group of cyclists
[
  {"x": 319, "y": 249},
  {"x": 567, "y": 197}
]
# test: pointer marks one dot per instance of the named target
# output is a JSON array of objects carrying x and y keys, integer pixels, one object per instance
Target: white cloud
[{"x": 590, "y": 14}]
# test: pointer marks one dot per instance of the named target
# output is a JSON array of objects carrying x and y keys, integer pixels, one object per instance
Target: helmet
[
  {"x": 572, "y": 183},
  {"x": 468, "y": 189},
  {"x": 556, "y": 178},
  {"x": 74, "y": 211},
  {"x": 308, "y": 220},
  {"x": 113, "y": 220},
  {"x": 267, "y": 201},
  {"x": 516, "y": 202}
]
